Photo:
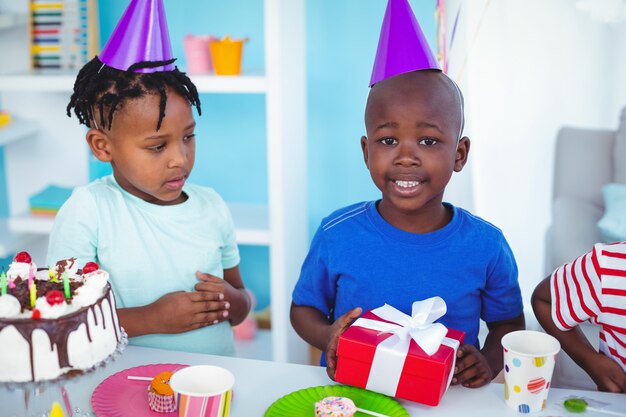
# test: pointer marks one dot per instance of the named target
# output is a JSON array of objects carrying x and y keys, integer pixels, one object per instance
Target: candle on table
[
  {"x": 3, "y": 282},
  {"x": 31, "y": 276},
  {"x": 33, "y": 294}
]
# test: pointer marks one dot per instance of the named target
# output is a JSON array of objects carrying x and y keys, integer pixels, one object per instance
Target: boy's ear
[
  {"x": 462, "y": 152},
  {"x": 365, "y": 152},
  {"x": 100, "y": 144}
]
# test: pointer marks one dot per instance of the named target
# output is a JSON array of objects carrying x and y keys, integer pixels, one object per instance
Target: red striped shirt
[{"x": 593, "y": 288}]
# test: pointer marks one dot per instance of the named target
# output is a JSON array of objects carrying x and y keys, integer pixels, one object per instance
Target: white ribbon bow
[{"x": 391, "y": 353}]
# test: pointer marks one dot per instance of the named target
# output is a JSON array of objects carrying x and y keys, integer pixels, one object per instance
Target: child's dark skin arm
[
  {"x": 313, "y": 326},
  {"x": 605, "y": 372},
  {"x": 477, "y": 368},
  {"x": 181, "y": 311}
]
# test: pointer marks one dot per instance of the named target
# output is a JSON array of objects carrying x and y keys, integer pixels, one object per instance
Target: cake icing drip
[
  {"x": 55, "y": 321},
  {"x": 59, "y": 331}
]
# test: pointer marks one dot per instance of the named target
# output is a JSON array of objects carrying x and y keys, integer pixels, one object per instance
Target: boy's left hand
[
  {"x": 472, "y": 369},
  {"x": 215, "y": 285},
  {"x": 335, "y": 330}
]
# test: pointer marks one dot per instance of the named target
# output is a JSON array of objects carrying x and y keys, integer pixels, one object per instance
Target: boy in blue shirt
[{"x": 410, "y": 245}]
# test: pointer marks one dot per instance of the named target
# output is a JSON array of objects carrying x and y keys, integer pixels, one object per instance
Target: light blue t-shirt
[
  {"x": 150, "y": 250},
  {"x": 358, "y": 259}
]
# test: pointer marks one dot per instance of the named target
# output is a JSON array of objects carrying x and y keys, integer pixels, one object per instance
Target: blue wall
[{"x": 342, "y": 36}]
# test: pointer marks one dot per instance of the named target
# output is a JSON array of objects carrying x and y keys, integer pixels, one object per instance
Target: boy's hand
[
  {"x": 335, "y": 330},
  {"x": 233, "y": 298},
  {"x": 181, "y": 311},
  {"x": 607, "y": 374},
  {"x": 218, "y": 288},
  {"x": 472, "y": 369}
]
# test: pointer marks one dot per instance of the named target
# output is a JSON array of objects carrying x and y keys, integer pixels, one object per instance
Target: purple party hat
[
  {"x": 402, "y": 46},
  {"x": 140, "y": 35}
]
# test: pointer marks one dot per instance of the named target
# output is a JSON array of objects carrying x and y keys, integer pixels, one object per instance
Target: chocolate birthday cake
[{"x": 54, "y": 321}]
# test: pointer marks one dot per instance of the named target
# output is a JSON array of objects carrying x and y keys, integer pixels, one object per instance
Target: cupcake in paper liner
[
  {"x": 160, "y": 395},
  {"x": 335, "y": 407}
]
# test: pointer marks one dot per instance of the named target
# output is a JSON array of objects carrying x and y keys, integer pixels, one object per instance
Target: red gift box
[{"x": 424, "y": 379}]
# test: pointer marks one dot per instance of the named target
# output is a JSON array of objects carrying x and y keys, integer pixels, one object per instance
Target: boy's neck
[
  {"x": 426, "y": 220},
  {"x": 130, "y": 189}
]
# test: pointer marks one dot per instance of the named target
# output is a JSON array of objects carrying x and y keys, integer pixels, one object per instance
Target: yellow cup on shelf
[
  {"x": 5, "y": 118},
  {"x": 226, "y": 55}
]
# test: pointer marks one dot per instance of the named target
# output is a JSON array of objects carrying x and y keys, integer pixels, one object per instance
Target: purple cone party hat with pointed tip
[
  {"x": 140, "y": 35},
  {"x": 402, "y": 46}
]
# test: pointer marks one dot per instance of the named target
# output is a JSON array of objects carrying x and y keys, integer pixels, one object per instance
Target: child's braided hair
[{"x": 100, "y": 89}]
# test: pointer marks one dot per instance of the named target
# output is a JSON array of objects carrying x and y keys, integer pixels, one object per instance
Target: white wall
[{"x": 532, "y": 67}]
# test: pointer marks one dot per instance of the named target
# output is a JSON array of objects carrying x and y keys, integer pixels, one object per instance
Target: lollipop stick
[
  {"x": 139, "y": 378},
  {"x": 613, "y": 413},
  {"x": 371, "y": 413},
  {"x": 66, "y": 401}
]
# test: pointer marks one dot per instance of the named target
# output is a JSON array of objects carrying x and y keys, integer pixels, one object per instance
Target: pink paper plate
[{"x": 118, "y": 396}]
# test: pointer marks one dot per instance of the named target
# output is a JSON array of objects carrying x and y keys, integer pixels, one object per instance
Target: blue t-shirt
[
  {"x": 150, "y": 250},
  {"x": 357, "y": 259}
]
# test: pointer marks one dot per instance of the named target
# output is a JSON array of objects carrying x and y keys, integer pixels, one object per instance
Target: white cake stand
[{"x": 39, "y": 396}]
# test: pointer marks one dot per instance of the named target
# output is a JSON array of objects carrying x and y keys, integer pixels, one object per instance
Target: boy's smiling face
[
  {"x": 413, "y": 123},
  {"x": 148, "y": 163}
]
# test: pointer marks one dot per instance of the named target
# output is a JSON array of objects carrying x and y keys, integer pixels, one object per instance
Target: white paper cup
[
  {"x": 529, "y": 358},
  {"x": 203, "y": 391}
]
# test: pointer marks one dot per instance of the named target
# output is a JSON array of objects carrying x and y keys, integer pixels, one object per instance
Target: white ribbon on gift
[{"x": 392, "y": 352}]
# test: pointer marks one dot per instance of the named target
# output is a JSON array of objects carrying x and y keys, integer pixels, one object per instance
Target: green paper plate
[{"x": 302, "y": 403}]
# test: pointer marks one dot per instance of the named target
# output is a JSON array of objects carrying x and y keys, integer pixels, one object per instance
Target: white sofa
[{"x": 585, "y": 160}]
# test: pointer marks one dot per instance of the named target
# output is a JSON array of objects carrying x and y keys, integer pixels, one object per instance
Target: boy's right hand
[
  {"x": 607, "y": 374},
  {"x": 335, "y": 330},
  {"x": 181, "y": 311}
]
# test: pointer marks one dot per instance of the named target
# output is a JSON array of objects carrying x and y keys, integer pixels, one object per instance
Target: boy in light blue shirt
[{"x": 169, "y": 246}]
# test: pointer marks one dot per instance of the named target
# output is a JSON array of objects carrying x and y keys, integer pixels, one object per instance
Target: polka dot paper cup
[
  {"x": 529, "y": 358},
  {"x": 203, "y": 391}
]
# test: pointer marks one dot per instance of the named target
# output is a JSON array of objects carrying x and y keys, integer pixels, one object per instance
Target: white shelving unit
[
  {"x": 11, "y": 242},
  {"x": 16, "y": 130},
  {"x": 11, "y": 20},
  {"x": 58, "y": 156}
]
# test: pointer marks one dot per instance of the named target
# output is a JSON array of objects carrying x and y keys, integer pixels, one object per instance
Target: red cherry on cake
[
  {"x": 90, "y": 267},
  {"x": 36, "y": 314},
  {"x": 54, "y": 297},
  {"x": 23, "y": 257}
]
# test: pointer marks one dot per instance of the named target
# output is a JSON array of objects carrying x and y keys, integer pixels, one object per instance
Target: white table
[{"x": 259, "y": 383}]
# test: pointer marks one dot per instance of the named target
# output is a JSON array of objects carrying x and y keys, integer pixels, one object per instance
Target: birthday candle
[
  {"x": 53, "y": 275},
  {"x": 31, "y": 276},
  {"x": 66, "y": 285},
  {"x": 33, "y": 294},
  {"x": 3, "y": 282}
]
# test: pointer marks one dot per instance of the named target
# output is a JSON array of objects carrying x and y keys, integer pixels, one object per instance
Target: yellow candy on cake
[{"x": 160, "y": 394}]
